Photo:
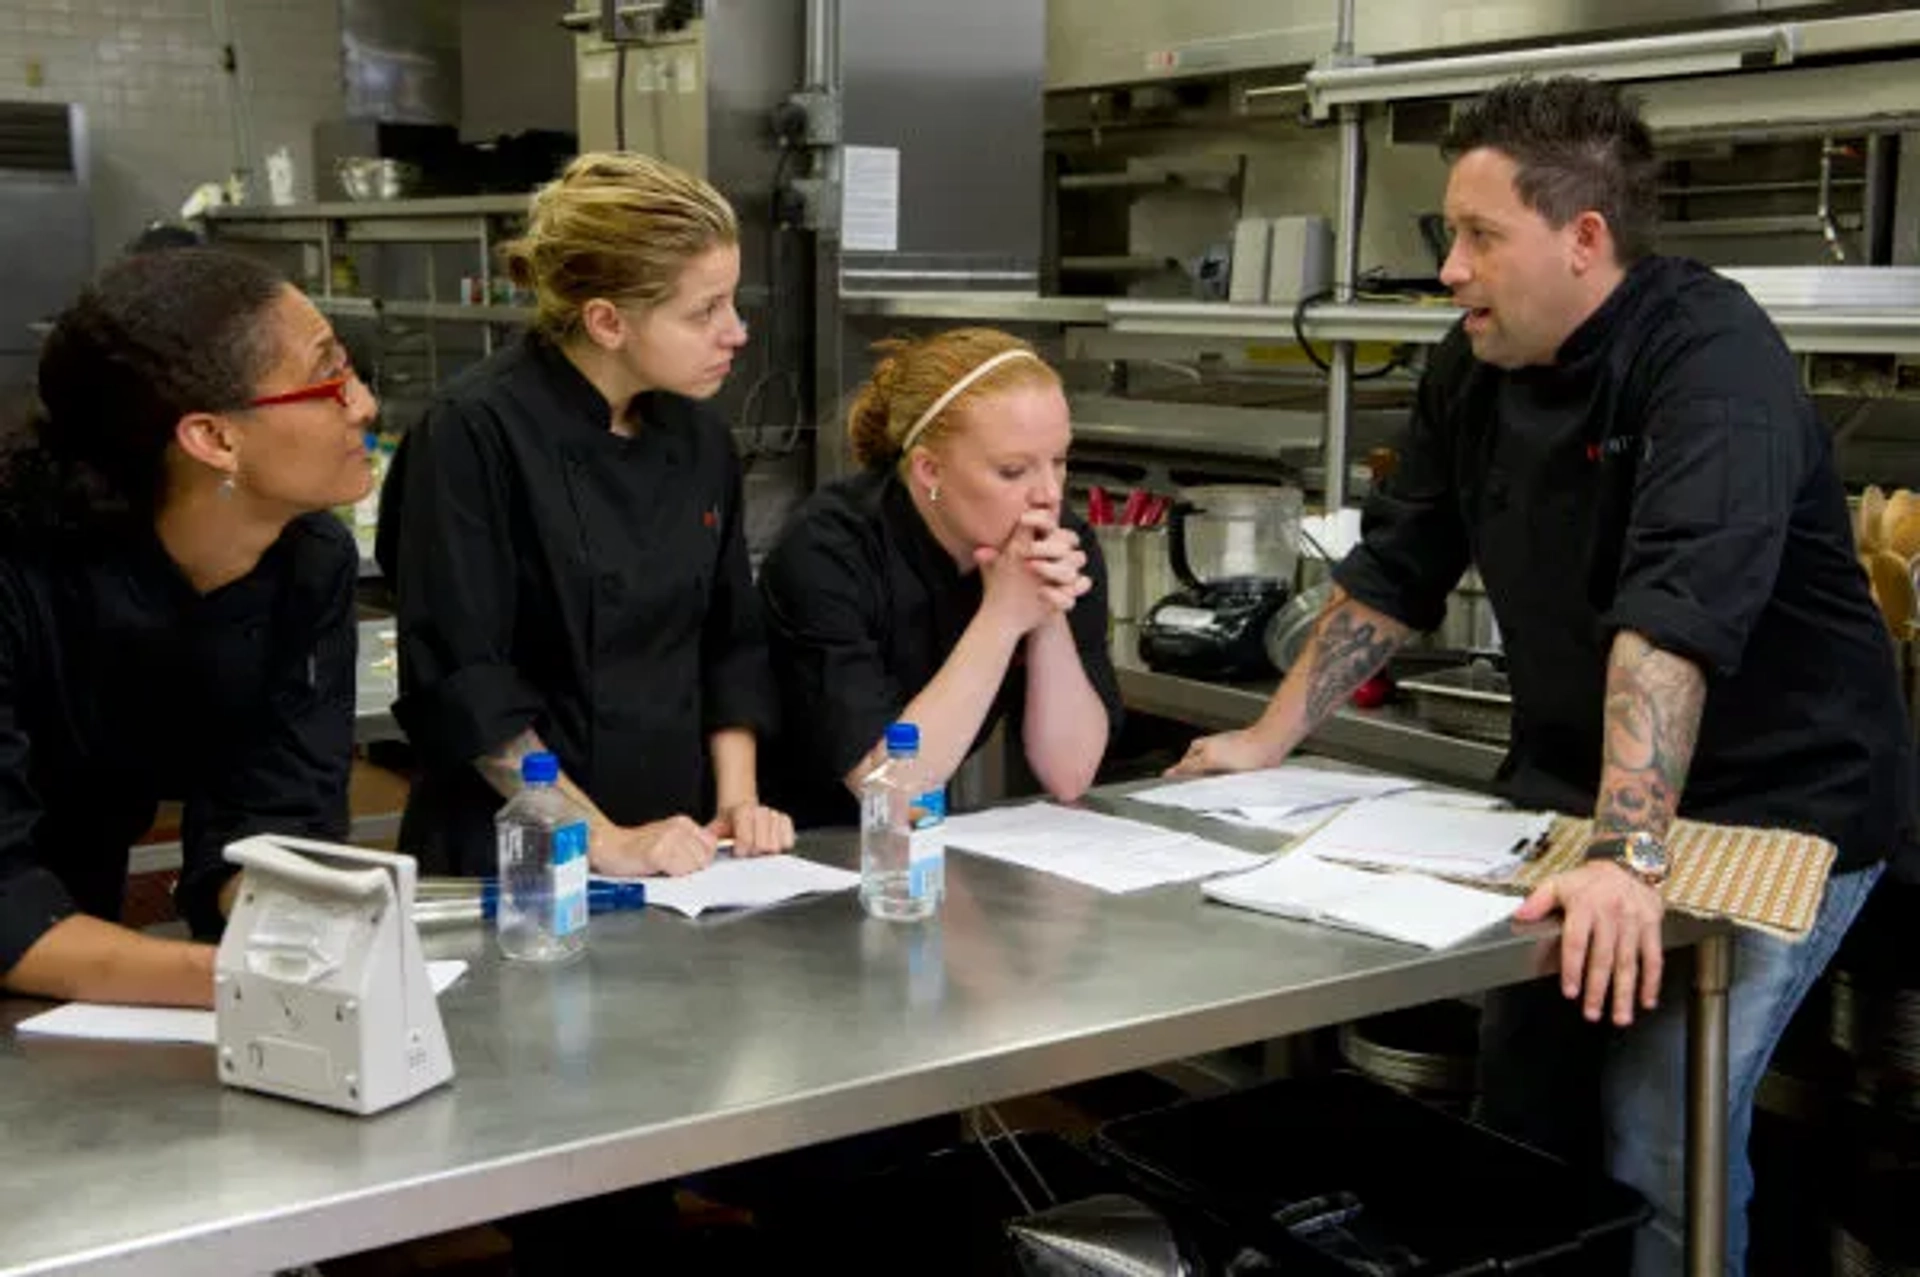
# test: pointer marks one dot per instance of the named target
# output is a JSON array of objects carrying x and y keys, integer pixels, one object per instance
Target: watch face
[{"x": 1645, "y": 854}]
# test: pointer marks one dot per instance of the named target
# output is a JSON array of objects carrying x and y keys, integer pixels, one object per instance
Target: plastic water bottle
[
  {"x": 542, "y": 840},
  {"x": 902, "y": 861}
]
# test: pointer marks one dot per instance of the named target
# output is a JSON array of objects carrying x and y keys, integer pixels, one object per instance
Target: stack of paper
[
  {"x": 112, "y": 1023},
  {"x": 1452, "y": 841},
  {"x": 746, "y": 883},
  {"x": 1107, "y": 852},
  {"x": 1411, "y": 908},
  {"x": 1277, "y": 798}
]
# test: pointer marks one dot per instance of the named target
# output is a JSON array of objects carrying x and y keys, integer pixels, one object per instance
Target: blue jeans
[{"x": 1542, "y": 1067}]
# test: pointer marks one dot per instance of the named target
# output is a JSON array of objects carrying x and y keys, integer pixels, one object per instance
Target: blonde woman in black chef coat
[{"x": 571, "y": 569}]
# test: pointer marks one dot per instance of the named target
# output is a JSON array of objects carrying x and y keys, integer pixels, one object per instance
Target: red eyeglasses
[{"x": 335, "y": 388}]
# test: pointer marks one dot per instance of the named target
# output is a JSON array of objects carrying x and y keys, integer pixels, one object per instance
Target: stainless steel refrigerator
[{"x": 46, "y": 226}]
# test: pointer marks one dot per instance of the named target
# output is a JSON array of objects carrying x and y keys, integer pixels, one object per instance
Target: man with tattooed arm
[{"x": 1619, "y": 443}]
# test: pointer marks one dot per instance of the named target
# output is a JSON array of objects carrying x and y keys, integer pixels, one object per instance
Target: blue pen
[{"x": 449, "y": 901}]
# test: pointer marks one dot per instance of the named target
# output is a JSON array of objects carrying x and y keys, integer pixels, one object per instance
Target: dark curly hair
[
  {"x": 154, "y": 338},
  {"x": 1577, "y": 145}
]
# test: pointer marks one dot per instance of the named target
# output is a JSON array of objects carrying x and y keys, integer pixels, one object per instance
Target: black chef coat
[
  {"x": 555, "y": 575},
  {"x": 1666, "y": 475},
  {"x": 863, "y": 607},
  {"x": 121, "y": 685}
]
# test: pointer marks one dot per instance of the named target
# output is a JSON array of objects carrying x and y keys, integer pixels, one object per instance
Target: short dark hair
[
  {"x": 1577, "y": 145},
  {"x": 157, "y": 336}
]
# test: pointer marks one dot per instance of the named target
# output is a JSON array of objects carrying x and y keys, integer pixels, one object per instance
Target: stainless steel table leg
[{"x": 1707, "y": 1109}]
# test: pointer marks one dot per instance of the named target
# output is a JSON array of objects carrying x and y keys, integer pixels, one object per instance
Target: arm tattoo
[
  {"x": 501, "y": 768},
  {"x": 1654, "y": 701},
  {"x": 1348, "y": 649}
]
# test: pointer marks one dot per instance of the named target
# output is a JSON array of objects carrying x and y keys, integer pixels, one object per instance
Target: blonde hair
[
  {"x": 913, "y": 374},
  {"x": 618, "y": 226}
]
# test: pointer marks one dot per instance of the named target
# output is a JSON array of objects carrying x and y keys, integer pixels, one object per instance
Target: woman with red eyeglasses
[{"x": 176, "y": 609}]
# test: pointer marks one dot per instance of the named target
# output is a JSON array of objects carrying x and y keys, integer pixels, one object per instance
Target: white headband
[{"x": 919, "y": 427}]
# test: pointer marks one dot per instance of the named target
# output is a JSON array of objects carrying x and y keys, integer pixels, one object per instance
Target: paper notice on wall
[{"x": 870, "y": 199}]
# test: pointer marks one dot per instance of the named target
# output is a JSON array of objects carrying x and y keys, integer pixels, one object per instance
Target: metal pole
[
  {"x": 1883, "y": 174},
  {"x": 1346, "y": 270},
  {"x": 1707, "y": 1108},
  {"x": 823, "y": 44},
  {"x": 829, "y": 325}
]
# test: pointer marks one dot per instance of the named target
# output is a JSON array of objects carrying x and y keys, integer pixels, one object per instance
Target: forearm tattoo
[
  {"x": 1654, "y": 700},
  {"x": 1348, "y": 649}
]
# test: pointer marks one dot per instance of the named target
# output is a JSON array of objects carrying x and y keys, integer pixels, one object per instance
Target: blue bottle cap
[
  {"x": 903, "y": 738},
  {"x": 540, "y": 769}
]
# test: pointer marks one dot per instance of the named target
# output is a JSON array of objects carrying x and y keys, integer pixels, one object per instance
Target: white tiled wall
[{"x": 149, "y": 74}]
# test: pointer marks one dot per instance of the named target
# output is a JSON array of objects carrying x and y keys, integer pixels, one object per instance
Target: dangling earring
[
  {"x": 933, "y": 493},
  {"x": 226, "y": 486}
]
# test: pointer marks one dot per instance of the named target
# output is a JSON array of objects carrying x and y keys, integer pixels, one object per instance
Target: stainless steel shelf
[
  {"x": 351, "y": 210},
  {"x": 1118, "y": 264},
  {"x": 1347, "y": 321},
  {"x": 345, "y": 307},
  {"x": 455, "y": 312},
  {"x": 1007, "y": 307},
  {"x": 460, "y": 312},
  {"x": 1811, "y": 331},
  {"x": 1383, "y": 738},
  {"x": 1784, "y": 224},
  {"x": 1212, "y": 183},
  {"x": 1164, "y": 426},
  {"x": 1806, "y": 329}
]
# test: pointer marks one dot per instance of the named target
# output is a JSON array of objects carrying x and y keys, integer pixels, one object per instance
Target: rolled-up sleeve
[
  {"x": 32, "y": 899},
  {"x": 837, "y": 694},
  {"x": 737, "y": 683},
  {"x": 290, "y": 775},
  {"x": 1414, "y": 544},
  {"x": 1724, "y": 445},
  {"x": 461, "y": 696}
]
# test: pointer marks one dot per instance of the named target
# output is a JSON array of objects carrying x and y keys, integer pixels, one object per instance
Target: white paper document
[
  {"x": 745, "y": 883},
  {"x": 1405, "y": 833},
  {"x": 1274, "y": 793},
  {"x": 110, "y": 1023},
  {"x": 1277, "y": 820},
  {"x": 1107, "y": 852},
  {"x": 1407, "y": 907},
  {"x": 870, "y": 199}
]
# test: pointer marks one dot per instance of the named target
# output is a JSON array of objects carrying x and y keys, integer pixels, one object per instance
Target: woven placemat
[{"x": 1768, "y": 879}]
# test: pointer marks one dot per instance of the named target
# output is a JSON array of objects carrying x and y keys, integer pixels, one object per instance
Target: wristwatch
[{"x": 1639, "y": 853}]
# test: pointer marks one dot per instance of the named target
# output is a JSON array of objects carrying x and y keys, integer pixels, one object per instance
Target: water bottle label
[
  {"x": 927, "y": 849},
  {"x": 569, "y": 878},
  {"x": 929, "y": 809},
  {"x": 927, "y": 868}
]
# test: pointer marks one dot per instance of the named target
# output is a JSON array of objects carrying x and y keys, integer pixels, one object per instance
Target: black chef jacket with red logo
[
  {"x": 555, "y": 575},
  {"x": 1666, "y": 475}
]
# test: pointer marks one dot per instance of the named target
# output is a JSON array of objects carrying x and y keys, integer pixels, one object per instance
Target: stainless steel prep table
[{"x": 677, "y": 1046}]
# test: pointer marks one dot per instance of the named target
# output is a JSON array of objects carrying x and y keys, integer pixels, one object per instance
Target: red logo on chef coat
[
  {"x": 710, "y": 518},
  {"x": 1617, "y": 446}
]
